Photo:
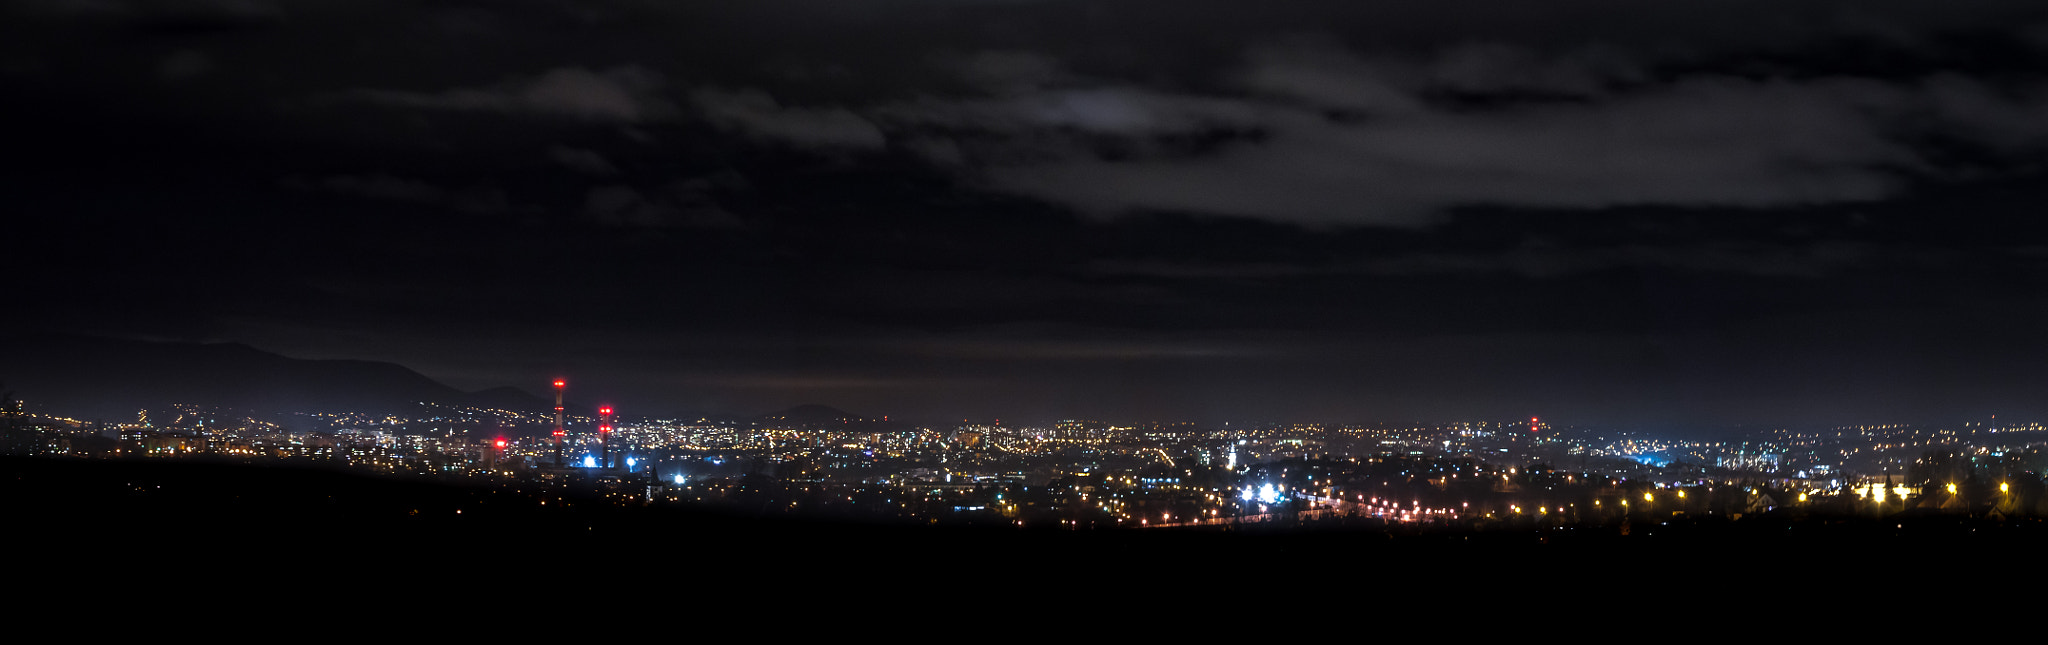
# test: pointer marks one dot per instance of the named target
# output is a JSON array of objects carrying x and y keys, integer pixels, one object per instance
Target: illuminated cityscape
[
  {"x": 819, "y": 463},
  {"x": 615, "y": 315}
]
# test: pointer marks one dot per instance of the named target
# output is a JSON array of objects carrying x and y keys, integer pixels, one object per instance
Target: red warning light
[
  {"x": 560, "y": 383},
  {"x": 501, "y": 443},
  {"x": 604, "y": 410}
]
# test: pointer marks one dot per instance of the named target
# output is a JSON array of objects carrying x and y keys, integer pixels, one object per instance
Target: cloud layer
[{"x": 1326, "y": 136}]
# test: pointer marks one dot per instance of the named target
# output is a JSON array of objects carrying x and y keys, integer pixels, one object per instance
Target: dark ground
[{"x": 269, "y": 533}]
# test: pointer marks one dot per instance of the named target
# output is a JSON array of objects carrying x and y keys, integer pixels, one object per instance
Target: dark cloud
[
  {"x": 625, "y": 94},
  {"x": 688, "y": 203},
  {"x": 1322, "y": 75},
  {"x": 1200, "y": 207},
  {"x": 1005, "y": 72},
  {"x": 1344, "y": 139},
  {"x": 1495, "y": 68},
  {"x": 1121, "y": 111},
  {"x": 224, "y": 11},
  {"x": 1725, "y": 142},
  {"x": 755, "y": 113},
  {"x": 584, "y": 161},
  {"x": 1535, "y": 260}
]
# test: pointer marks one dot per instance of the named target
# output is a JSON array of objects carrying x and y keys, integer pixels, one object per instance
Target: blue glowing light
[
  {"x": 1651, "y": 460},
  {"x": 679, "y": 479},
  {"x": 589, "y": 461}
]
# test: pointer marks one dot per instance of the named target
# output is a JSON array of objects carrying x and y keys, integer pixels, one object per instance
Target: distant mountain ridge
[{"x": 110, "y": 379}]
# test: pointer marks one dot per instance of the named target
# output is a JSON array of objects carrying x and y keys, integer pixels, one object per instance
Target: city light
[{"x": 938, "y": 474}]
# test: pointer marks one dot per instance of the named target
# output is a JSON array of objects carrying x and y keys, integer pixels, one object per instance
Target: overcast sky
[{"x": 1656, "y": 214}]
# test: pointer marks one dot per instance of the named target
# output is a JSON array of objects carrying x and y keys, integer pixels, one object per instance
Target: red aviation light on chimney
[
  {"x": 560, "y": 383},
  {"x": 604, "y": 410},
  {"x": 501, "y": 444}
]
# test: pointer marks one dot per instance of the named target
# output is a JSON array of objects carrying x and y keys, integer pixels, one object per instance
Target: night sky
[{"x": 1653, "y": 214}]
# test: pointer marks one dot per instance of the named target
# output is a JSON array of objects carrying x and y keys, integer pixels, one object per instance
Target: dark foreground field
[{"x": 161, "y": 524}]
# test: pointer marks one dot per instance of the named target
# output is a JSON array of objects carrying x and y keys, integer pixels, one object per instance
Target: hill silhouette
[{"x": 107, "y": 378}]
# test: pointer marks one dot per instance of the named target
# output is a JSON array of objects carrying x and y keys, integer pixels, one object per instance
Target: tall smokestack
[
  {"x": 604, "y": 437},
  {"x": 560, "y": 433}
]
